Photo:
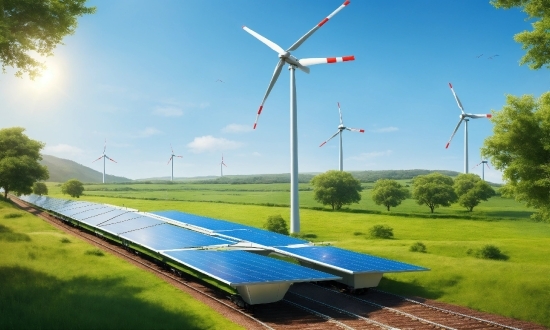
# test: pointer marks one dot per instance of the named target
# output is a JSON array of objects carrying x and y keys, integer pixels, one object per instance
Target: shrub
[
  {"x": 277, "y": 224},
  {"x": 65, "y": 240},
  {"x": 418, "y": 247},
  {"x": 12, "y": 215},
  {"x": 95, "y": 252},
  {"x": 358, "y": 233},
  {"x": 381, "y": 231},
  {"x": 488, "y": 252}
]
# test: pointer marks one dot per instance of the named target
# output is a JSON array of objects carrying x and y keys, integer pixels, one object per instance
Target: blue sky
[{"x": 144, "y": 76}]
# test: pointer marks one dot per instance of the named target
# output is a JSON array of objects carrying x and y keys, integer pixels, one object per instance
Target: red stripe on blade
[
  {"x": 260, "y": 110},
  {"x": 254, "y": 126},
  {"x": 447, "y": 146},
  {"x": 322, "y": 144},
  {"x": 322, "y": 22},
  {"x": 489, "y": 115},
  {"x": 346, "y": 3},
  {"x": 331, "y": 60},
  {"x": 450, "y": 85},
  {"x": 348, "y": 58},
  {"x": 362, "y": 130}
]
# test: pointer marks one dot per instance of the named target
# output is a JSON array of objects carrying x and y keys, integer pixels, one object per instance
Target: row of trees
[{"x": 336, "y": 188}]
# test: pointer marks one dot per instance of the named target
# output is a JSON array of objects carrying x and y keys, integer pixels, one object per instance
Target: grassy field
[{"x": 50, "y": 280}]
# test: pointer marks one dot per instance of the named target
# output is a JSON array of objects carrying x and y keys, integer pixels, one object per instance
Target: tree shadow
[
  {"x": 413, "y": 289},
  {"x": 8, "y": 235},
  {"x": 31, "y": 299}
]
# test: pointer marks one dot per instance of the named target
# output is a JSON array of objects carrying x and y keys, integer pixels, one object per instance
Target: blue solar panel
[
  {"x": 116, "y": 215},
  {"x": 70, "y": 212},
  {"x": 168, "y": 237},
  {"x": 239, "y": 267},
  {"x": 88, "y": 213},
  {"x": 348, "y": 260},
  {"x": 263, "y": 237},
  {"x": 61, "y": 207},
  {"x": 129, "y": 225},
  {"x": 199, "y": 221}
]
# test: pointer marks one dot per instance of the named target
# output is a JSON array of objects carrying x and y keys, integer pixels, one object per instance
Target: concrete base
[
  {"x": 356, "y": 281},
  {"x": 263, "y": 293}
]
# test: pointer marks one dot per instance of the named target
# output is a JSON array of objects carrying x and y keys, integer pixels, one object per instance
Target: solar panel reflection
[
  {"x": 199, "y": 221},
  {"x": 129, "y": 225}
]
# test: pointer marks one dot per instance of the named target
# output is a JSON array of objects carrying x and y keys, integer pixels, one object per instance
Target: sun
[{"x": 46, "y": 79}]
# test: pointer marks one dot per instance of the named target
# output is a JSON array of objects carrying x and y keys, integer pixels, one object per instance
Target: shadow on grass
[
  {"x": 510, "y": 214},
  {"x": 8, "y": 235},
  {"x": 411, "y": 289},
  {"x": 34, "y": 300}
]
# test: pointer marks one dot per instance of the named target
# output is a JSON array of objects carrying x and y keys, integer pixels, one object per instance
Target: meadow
[
  {"x": 518, "y": 287},
  {"x": 51, "y": 280}
]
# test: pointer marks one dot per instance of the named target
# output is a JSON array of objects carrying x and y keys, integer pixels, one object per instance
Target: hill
[{"x": 62, "y": 170}]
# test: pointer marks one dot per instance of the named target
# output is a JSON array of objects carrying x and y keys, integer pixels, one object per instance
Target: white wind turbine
[
  {"x": 464, "y": 117},
  {"x": 172, "y": 160},
  {"x": 293, "y": 62},
  {"x": 104, "y": 156},
  {"x": 485, "y": 163},
  {"x": 341, "y": 127},
  {"x": 222, "y": 164}
]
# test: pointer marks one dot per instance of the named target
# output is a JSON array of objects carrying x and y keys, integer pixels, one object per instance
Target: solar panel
[
  {"x": 263, "y": 237},
  {"x": 70, "y": 212},
  {"x": 168, "y": 237},
  {"x": 348, "y": 260},
  {"x": 88, "y": 213},
  {"x": 129, "y": 225},
  {"x": 200, "y": 221},
  {"x": 116, "y": 215},
  {"x": 237, "y": 267}
]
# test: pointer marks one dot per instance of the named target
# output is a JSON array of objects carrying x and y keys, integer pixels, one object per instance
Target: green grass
[{"x": 46, "y": 283}]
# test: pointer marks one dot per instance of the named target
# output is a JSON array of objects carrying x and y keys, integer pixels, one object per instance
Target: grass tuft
[
  {"x": 95, "y": 252},
  {"x": 65, "y": 240},
  {"x": 358, "y": 233},
  {"x": 13, "y": 215}
]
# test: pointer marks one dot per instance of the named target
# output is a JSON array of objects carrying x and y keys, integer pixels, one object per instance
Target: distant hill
[{"x": 62, "y": 170}]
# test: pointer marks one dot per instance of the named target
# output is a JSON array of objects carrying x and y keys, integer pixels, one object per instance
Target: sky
[{"x": 147, "y": 76}]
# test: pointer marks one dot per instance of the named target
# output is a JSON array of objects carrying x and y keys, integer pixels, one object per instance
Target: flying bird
[
  {"x": 491, "y": 57},
  {"x": 219, "y": 80},
  {"x": 479, "y": 56}
]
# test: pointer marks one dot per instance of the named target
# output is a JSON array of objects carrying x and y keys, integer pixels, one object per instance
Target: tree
[
  {"x": 73, "y": 188},
  {"x": 520, "y": 148},
  {"x": 19, "y": 156},
  {"x": 536, "y": 42},
  {"x": 471, "y": 190},
  {"x": 434, "y": 190},
  {"x": 277, "y": 224},
  {"x": 389, "y": 193},
  {"x": 36, "y": 26},
  {"x": 336, "y": 188},
  {"x": 39, "y": 188}
]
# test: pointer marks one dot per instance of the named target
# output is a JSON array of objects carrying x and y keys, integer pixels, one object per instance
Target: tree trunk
[{"x": 388, "y": 207}]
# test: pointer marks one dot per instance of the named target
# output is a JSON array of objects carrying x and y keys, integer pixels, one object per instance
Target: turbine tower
[
  {"x": 293, "y": 62},
  {"x": 172, "y": 160},
  {"x": 341, "y": 127},
  {"x": 484, "y": 162},
  {"x": 104, "y": 156},
  {"x": 222, "y": 164},
  {"x": 464, "y": 117}
]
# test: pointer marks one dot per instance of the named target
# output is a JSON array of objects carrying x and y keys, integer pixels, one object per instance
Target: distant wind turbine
[
  {"x": 172, "y": 160},
  {"x": 341, "y": 127},
  {"x": 464, "y": 117},
  {"x": 104, "y": 156},
  {"x": 484, "y": 162},
  {"x": 286, "y": 58},
  {"x": 222, "y": 164}
]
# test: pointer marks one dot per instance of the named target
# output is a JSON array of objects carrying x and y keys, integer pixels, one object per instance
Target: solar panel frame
[
  {"x": 262, "y": 237},
  {"x": 201, "y": 221},
  {"x": 111, "y": 217},
  {"x": 130, "y": 225}
]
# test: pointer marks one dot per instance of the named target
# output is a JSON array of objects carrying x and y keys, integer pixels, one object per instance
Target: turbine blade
[
  {"x": 303, "y": 68},
  {"x": 276, "y": 74},
  {"x": 111, "y": 159},
  {"x": 266, "y": 41},
  {"x": 456, "y": 129},
  {"x": 322, "y": 144},
  {"x": 105, "y": 146},
  {"x": 169, "y": 160},
  {"x": 325, "y": 60},
  {"x": 457, "y": 99},
  {"x": 316, "y": 27},
  {"x": 171, "y": 148},
  {"x": 355, "y": 130},
  {"x": 97, "y": 159},
  {"x": 477, "y": 165},
  {"x": 340, "y": 111},
  {"x": 487, "y": 165},
  {"x": 486, "y": 115}
]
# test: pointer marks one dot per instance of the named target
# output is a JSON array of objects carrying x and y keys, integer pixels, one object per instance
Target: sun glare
[{"x": 46, "y": 79}]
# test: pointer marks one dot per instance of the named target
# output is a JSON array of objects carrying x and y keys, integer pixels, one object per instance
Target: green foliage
[
  {"x": 39, "y": 188},
  {"x": 35, "y": 26},
  {"x": 471, "y": 190},
  {"x": 95, "y": 252},
  {"x": 65, "y": 240},
  {"x": 434, "y": 190},
  {"x": 336, "y": 188},
  {"x": 536, "y": 42},
  {"x": 488, "y": 252},
  {"x": 381, "y": 231},
  {"x": 12, "y": 215},
  {"x": 19, "y": 156},
  {"x": 418, "y": 247},
  {"x": 73, "y": 188},
  {"x": 277, "y": 224},
  {"x": 520, "y": 148},
  {"x": 389, "y": 193}
]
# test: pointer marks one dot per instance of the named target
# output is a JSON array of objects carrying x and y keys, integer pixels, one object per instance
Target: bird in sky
[
  {"x": 479, "y": 56},
  {"x": 219, "y": 80},
  {"x": 491, "y": 57}
]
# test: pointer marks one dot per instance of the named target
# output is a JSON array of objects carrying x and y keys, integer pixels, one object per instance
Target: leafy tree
[
  {"x": 434, "y": 190},
  {"x": 336, "y": 188},
  {"x": 381, "y": 231},
  {"x": 277, "y": 224},
  {"x": 73, "y": 188},
  {"x": 389, "y": 193},
  {"x": 536, "y": 42},
  {"x": 35, "y": 26},
  {"x": 520, "y": 148},
  {"x": 471, "y": 190},
  {"x": 19, "y": 156},
  {"x": 39, "y": 188}
]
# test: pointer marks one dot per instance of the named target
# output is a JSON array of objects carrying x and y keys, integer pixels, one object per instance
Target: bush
[
  {"x": 277, "y": 224},
  {"x": 12, "y": 215},
  {"x": 358, "y": 233},
  {"x": 65, "y": 240},
  {"x": 95, "y": 252},
  {"x": 381, "y": 231},
  {"x": 488, "y": 252},
  {"x": 418, "y": 247}
]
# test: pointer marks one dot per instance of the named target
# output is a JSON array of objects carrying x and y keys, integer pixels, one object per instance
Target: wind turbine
[
  {"x": 484, "y": 162},
  {"x": 341, "y": 127},
  {"x": 172, "y": 160},
  {"x": 104, "y": 156},
  {"x": 464, "y": 117},
  {"x": 222, "y": 164},
  {"x": 293, "y": 62}
]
